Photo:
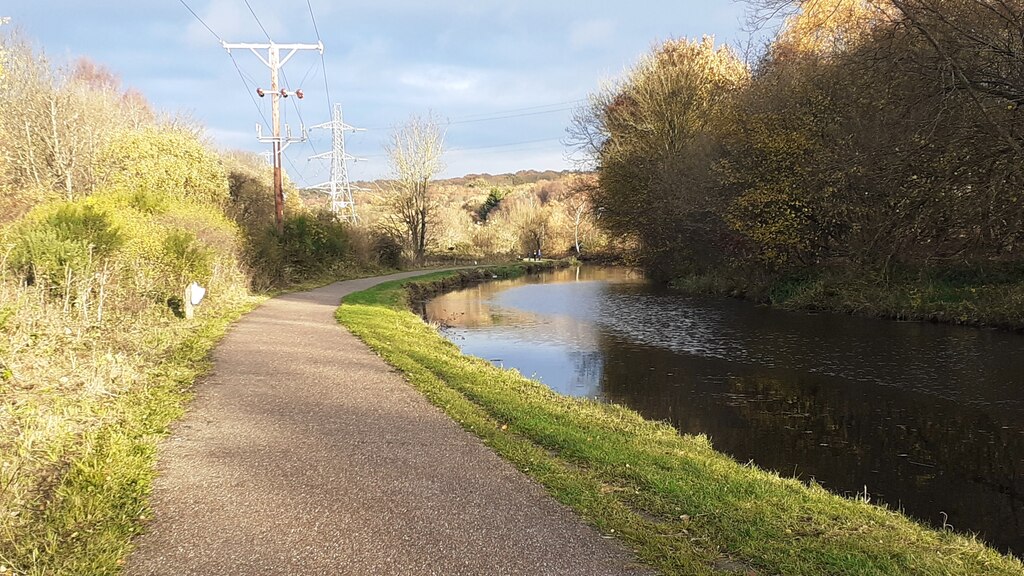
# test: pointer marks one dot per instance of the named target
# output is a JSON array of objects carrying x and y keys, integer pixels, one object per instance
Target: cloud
[
  {"x": 445, "y": 80},
  {"x": 590, "y": 33}
]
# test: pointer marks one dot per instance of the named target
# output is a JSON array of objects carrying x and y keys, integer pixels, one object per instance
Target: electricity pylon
[
  {"x": 274, "y": 61},
  {"x": 339, "y": 189}
]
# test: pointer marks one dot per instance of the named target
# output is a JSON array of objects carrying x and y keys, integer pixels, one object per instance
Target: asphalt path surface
[{"x": 304, "y": 453}]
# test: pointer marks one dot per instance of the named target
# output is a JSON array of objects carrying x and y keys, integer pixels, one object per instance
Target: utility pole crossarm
[{"x": 253, "y": 47}]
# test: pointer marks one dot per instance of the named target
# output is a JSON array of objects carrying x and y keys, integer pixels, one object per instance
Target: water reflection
[{"x": 927, "y": 417}]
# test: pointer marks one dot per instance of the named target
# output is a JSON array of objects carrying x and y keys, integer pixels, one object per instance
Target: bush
[
  {"x": 162, "y": 162},
  {"x": 388, "y": 251},
  {"x": 186, "y": 259},
  {"x": 311, "y": 245},
  {"x": 265, "y": 259},
  {"x": 69, "y": 239},
  {"x": 314, "y": 243}
]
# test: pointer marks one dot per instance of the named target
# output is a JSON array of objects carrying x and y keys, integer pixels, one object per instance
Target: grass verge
[
  {"x": 82, "y": 409},
  {"x": 85, "y": 521},
  {"x": 684, "y": 508}
]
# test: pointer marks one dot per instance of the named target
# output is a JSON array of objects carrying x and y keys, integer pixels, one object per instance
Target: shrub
[
  {"x": 314, "y": 243},
  {"x": 71, "y": 238},
  {"x": 265, "y": 259},
  {"x": 186, "y": 259},
  {"x": 162, "y": 162},
  {"x": 388, "y": 251}
]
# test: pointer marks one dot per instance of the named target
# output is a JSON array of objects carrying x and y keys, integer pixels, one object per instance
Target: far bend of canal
[{"x": 929, "y": 418}]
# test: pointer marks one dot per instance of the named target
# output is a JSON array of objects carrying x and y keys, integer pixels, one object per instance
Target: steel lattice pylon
[{"x": 339, "y": 189}]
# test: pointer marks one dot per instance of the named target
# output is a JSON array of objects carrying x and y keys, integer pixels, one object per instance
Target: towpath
[{"x": 304, "y": 453}]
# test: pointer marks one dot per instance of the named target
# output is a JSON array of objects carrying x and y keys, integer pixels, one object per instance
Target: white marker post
[{"x": 194, "y": 294}]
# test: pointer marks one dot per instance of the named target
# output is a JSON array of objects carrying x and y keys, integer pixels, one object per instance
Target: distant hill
[{"x": 510, "y": 179}]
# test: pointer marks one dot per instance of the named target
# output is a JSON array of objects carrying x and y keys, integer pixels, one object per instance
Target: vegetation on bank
[
  {"x": 97, "y": 244},
  {"x": 683, "y": 507},
  {"x": 993, "y": 297},
  {"x": 871, "y": 141}
]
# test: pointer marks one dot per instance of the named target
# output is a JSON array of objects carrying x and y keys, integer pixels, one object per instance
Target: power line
[
  {"x": 503, "y": 145},
  {"x": 248, "y": 90},
  {"x": 308, "y": 71},
  {"x": 505, "y": 114},
  {"x": 488, "y": 147},
  {"x": 323, "y": 63},
  {"x": 292, "y": 164},
  {"x": 489, "y": 119},
  {"x": 298, "y": 112},
  {"x": 205, "y": 25},
  {"x": 526, "y": 109},
  {"x": 257, "y": 18},
  {"x": 241, "y": 75}
]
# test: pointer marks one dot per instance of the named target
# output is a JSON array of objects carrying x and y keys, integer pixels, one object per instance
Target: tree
[
  {"x": 578, "y": 207},
  {"x": 414, "y": 155},
  {"x": 652, "y": 138},
  {"x": 529, "y": 219},
  {"x": 54, "y": 120},
  {"x": 493, "y": 200},
  {"x": 882, "y": 133}
]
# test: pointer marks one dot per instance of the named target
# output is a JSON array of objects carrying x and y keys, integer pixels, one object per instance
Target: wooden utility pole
[{"x": 274, "y": 61}]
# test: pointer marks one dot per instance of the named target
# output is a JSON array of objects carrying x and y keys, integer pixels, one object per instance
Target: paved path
[{"x": 304, "y": 453}]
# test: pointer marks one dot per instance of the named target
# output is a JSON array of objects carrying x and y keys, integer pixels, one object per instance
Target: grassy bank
[
  {"x": 96, "y": 360},
  {"x": 971, "y": 297},
  {"x": 80, "y": 447},
  {"x": 85, "y": 459},
  {"x": 683, "y": 507}
]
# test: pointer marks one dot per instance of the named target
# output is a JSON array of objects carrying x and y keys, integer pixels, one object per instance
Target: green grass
[{"x": 683, "y": 507}]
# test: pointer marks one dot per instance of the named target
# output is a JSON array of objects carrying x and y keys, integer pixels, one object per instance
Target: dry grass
[{"x": 71, "y": 370}]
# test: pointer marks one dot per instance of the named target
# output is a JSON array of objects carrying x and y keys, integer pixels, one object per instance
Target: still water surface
[{"x": 928, "y": 418}]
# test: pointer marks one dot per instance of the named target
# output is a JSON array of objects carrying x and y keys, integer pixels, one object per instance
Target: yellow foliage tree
[
  {"x": 826, "y": 26},
  {"x": 652, "y": 139}
]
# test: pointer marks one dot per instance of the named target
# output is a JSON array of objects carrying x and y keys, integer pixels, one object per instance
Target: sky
[{"x": 503, "y": 77}]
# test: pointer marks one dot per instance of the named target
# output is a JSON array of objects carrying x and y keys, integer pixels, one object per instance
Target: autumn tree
[
  {"x": 54, "y": 120},
  {"x": 577, "y": 205},
  {"x": 529, "y": 220},
  {"x": 653, "y": 139},
  {"x": 414, "y": 156},
  {"x": 880, "y": 148},
  {"x": 785, "y": 161}
]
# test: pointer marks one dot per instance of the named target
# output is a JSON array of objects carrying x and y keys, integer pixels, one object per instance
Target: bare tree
[
  {"x": 578, "y": 207},
  {"x": 414, "y": 154},
  {"x": 530, "y": 220}
]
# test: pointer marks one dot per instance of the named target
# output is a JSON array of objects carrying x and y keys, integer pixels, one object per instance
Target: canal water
[{"x": 926, "y": 418}]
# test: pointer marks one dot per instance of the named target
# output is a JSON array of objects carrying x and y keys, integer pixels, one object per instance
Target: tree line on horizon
[{"x": 871, "y": 135}]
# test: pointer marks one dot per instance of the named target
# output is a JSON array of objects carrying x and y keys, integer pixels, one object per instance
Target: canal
[{"x": 925, "y": 418}]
